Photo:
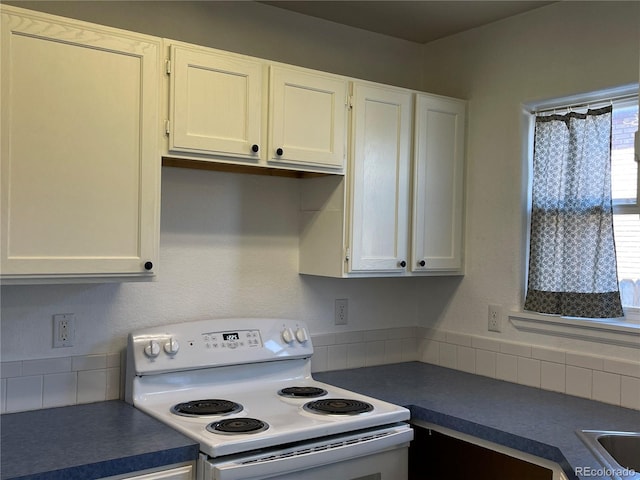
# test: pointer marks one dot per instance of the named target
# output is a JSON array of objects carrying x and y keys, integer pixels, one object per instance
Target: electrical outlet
[
  {"x": 64, "y": 330},
  {"x": 495, "y": 319},
  {"x": 341, "y": 311}
]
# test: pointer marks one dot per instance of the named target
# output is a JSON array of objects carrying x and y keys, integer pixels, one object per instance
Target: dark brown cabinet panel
[{"x": 434, "y": 456}]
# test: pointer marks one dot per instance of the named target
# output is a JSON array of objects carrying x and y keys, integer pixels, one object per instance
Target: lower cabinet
[
  {"x": 172, "y": 472},
  {"x": 433, "y": 455}
]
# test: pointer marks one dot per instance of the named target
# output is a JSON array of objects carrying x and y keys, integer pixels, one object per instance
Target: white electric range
[{"x": 243, "y": 389}]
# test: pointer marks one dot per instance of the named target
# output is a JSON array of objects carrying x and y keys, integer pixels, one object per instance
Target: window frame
[
  {"x": 630, "y": 208},
  {"x": 632, "y": 314},
  {"x": 624, "y": 332}
]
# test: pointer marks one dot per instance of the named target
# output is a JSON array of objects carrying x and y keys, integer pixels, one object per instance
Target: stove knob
[
  {"x": 172, "y": 346},
  {"x": 302, "y": 335},
  {"x": 287, "y": 335},
  {"x": 152, "y": 350}
]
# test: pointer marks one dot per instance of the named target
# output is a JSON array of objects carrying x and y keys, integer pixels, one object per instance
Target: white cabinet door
[
  {"x": 80, "y": 167},
  {"x": 307, "y": 112},
  {"x": 216, "y": 103},
  {"x": 438, "y": 184},
  {"x": 380, "y": 178}
]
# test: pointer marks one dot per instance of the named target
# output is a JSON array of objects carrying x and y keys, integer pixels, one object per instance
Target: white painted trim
[
  {"x": 585, "y": 99},
  {"x": 608, "y": 331}
]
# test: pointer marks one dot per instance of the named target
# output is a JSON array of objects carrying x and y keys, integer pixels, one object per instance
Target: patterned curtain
[{"x": 572, "y": 260}]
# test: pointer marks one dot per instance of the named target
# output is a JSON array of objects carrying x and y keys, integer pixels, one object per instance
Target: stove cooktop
[{"x": 287, "y": 418}]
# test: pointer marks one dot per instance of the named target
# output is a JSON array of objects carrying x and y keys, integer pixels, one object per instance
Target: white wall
[
  {"x": 255, "y": 29},
  {"x": 554, "y": 51},
  {"x": 229, "y": 242},
  {"x": 228, "y": 248}
]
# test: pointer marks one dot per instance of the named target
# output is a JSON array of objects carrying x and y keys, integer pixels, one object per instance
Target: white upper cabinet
[
  {"x": 79, "y": 144},
  {"x": 81, "y": 141},
  {"x": 216, "y": 103},
  {"x": 242, "y": 110},
  {"x": 392, "y": 202},
  {"x": 381, "y": 149},
  {"x": 307, "y": 118},
  {"x": 438, "y": 184}
]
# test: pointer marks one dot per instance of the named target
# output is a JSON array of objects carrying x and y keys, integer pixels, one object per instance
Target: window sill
[{"x": 608, "y": 331}]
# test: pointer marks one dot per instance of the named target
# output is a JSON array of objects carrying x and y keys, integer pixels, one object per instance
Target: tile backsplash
[
  {"x": 57, "y": 382},
  {"x": 602, "y": 379},
  {"x": 45, "y": 383},
  {"x": 338, "y": 351}
]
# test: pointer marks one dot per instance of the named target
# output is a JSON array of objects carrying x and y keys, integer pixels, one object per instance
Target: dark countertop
[
  {"x": 87, "y": 441},
  {"x": 530, "y": 420}
]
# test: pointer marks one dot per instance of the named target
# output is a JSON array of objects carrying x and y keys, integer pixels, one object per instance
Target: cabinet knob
[
  {"x": 279, "y": 152},
  {"x": 148, "y": 266},
  {"x": 255, "y": 148},
  {"x": 422, "y": 263},
  {"x": 403, "y": 264}
]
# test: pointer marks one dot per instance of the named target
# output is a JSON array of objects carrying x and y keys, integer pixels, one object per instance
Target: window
[
  {"x": 625, "y": 185},
  {"x": 626, "y": 207}
]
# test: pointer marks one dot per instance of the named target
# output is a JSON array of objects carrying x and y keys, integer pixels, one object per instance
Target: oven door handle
[{"x": 306, "y": 456}]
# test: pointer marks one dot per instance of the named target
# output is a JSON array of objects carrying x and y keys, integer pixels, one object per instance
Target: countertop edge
[{"x": 119, "y": 466}]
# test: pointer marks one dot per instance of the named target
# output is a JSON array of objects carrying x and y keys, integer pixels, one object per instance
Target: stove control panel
[
  {"x": 242, "y": 339},
  {"x": 218, "y": 342}
]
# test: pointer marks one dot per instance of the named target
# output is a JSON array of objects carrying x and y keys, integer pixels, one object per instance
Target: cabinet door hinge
[
  {"x": 167, "y": 127},
  {"x": 350, "y": 102},
  {"x": 167, "y": 65},
  {"x": 347, "y": 254}
]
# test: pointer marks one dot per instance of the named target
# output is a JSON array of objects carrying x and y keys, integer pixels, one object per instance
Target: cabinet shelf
[{"x": 244, "y": 169}]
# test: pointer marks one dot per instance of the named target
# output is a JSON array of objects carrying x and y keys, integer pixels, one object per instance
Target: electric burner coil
[
  {"x": 338, "y": 406},
  {"x": 212, "y": 406},
  {"x": 302, "y": 392},
  {"x": 238, "y": 426}
]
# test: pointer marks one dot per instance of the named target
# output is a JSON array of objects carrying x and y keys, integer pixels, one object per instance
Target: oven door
[{"x": 373, "y": 454}]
